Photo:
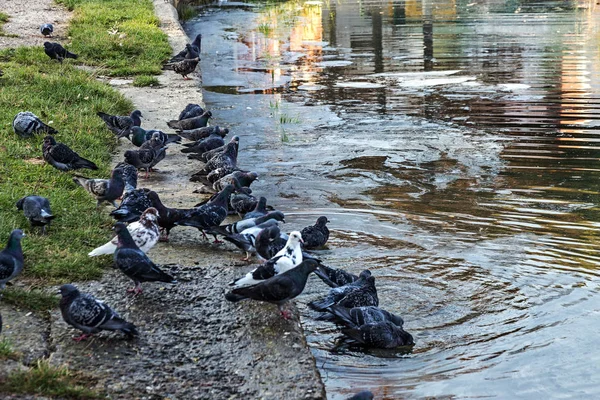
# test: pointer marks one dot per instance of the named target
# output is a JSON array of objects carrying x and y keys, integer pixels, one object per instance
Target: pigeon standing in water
[
  {"x": 120, "y": 125},
  {"x": 335, "y": 277},
  {"x": 61, "y": 157},
  {"x": 360, "y": 293},
  {"x": 86, "y": 313},
  {"x": 144, "y": 233},
  {"x": 363, "y": 315},
  {"x": 104, "y": 189},
  {"x": 11, "y": 258},
  {"x": 26, "y": 124},
  {"x": 316, "y": 236},
  {"x": 56, "y": 52},
  {"x": 47, "y": 29},
  {"x": 134, "y": 263},
  {"x": 186, "y": 67},
  {"x": 278, "y": 289},
  {"x": 191, "y": 111},
  {"x": 36, "y": 210},
  {"x": 364, "y": 395}
]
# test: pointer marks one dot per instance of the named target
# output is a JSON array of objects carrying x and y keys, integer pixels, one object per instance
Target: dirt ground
[{"x": 193, "y": 343}]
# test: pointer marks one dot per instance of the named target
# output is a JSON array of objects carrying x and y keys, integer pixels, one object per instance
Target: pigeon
[
  {"x": 383, "y": 335},
  {"x": 316, "y": 236},
  {"x": 61, "y": 157},
  {"x": 203, "y": 145},
  {"x": 157, "y": 145},
  {"x": 191, "y": 111},
  {"x": 242, "y": 202},
  {"x": 11, "y": 258},
  {"x": 363, "y": 315},
  {"x": 277, "y": 290},
  {"x": 269, "y": 241},
  {"x": 36, "y": 210},
  {"x": 286, "y": 259},
  {"x": 134, "y": 263},
  {"x": 228, "y": 158},
  {"x": 144, "y": 158},
  {"x": 245, "y": 179},
  {"x": 364, "y": 395},
  {"x": 195, "y": 46},
  {"x": 190, "y": 123},
  {"x": 335, "y": 277},
  {"x": 130, "y": 175},
  {"x": 186, "y": 67},
  {"x": 239, "y": 226},
  {"x": 56, "y": 52},
  {"x": 121, "y": 125},
  {"x": 210, "y": 214},
  {"x": 107, "y": 190},
  {"x": 246, "y": 239},
  {"x": 259, "y": 210},
  {"x": 139, "y": 136},
  {"x": 144, "y": 233},
  {"x": 83, "y": 311},
  {"x": 47, "y": 29},
  {"x": 212, "y": 153},
  {"x": 202, "y": 133},
  {"x": 132, "y": 206},
  {"x": 26, "y": 124},
  {"x": 167, "y": 217},
  {"x": 360, "y": 293}
]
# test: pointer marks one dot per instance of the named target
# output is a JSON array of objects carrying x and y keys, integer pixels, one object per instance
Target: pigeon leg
[
  {"x": 136, "y": 290},
  {"x": 286, "y": 314},
  {"x": 185, "y": 78},
  {"x": 82, "y": 337},
  {"x": 204, "y": 234},
  {"x": 43, "y": 229},
  {"x": 247, "y": 258},
  {"x": 217, "y": 241},
  {"x": 146, "y": 177}
]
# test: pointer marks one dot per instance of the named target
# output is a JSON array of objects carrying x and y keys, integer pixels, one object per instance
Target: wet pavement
[{"x": 453, "y": 145}]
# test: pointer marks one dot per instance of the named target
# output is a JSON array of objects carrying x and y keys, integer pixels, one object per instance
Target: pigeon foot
[{"x": 83, "y": 336}]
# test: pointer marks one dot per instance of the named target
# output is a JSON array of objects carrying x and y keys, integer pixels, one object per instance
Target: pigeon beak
[
  {"x": 23, "y": 234},
  {"x": 283, "y": 220},
  {"x": 301, "y": 241}
]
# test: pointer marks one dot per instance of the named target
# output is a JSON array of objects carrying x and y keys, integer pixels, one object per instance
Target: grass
[
  {"x": 265, "y": 29},
  {"x": 46, "y": 380},
  {"x": 120, "y": 36},
  {"x": 286, "y": 119},
  {"x": 31, "y": 299},
  {"x": 4, "y": 19},
  {"x": 70, "y": 98},
  {"x": 145, "y": 80},
  {"x": 6, "y": 350},
  {"x": 186, "y": 11}
]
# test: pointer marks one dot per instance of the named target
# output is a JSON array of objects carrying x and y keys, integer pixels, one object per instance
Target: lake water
[{"x": 454, "y": 145}]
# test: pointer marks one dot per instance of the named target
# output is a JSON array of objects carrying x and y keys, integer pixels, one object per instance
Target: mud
[{"x": 193, "y": 344}]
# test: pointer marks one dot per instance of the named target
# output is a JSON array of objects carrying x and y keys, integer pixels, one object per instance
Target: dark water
[{"x": 454, "y": 147}]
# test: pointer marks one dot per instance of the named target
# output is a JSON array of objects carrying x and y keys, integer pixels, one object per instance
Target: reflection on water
[{"x": 454, "y": 147}]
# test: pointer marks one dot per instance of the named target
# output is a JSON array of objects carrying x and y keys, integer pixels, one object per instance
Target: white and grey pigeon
[
  {"x": 83, "y": 311},
  {"x": 120, "y": 125},
  {"x": 46, "y": 30},
  {"x": 37, "y": 210},
  {"x": 107, "y": 190},
  {"x": 286, "y": 259},
  {"x": 246, "y": 239},
  {"x": 26, "y": 124},
  {"x": 277, "y": 290},
  {"x": 144, "y": 232},
  {"x": 11, "y": 258}
]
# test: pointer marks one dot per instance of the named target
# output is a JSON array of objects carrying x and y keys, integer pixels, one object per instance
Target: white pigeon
[
  {"x": 286, "y": 259},
  {"x": 144, "y": 232}
]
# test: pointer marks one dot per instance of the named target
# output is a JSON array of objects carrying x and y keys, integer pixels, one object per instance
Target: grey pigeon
[
  {"x": 269, "y": 241},
  {"x": 156, "y": 144},
  {"x": 139, "y": 136},
  {"x": 134, "y": 203},
  {"x": 130, "y": 175},
  {"x": 239, "y": 226},
  {"x": 190, "y": 123},
  {"x": 26, "y": 124},
  {"x": 84, "y": 312},
  {"x": 168, "y": 218},
  {"x": 360, "y": 293},
  {"x": 11, "y": 258},
  {"x": 245, "y": 179},
  {"x": 202, "y": 133},
  {"x": 47, "y": 29},
  {"x": 61, "y": 157},
  {"x": 144, "y": 158},
  {"x": 203, "y": 145},
  {"x": 335, "y": 277},
  {"x": 102, "y": 190},
  {"x": 186, "y": 67},
  {"x": 259, "y": 210},
  {"x": 120, "y": 125},
  {"x": 134, "y": 263},
  {"x": 241, "y": 202},
  {"x": 37, "y": 210},
  {"x": 364, "y": 395},
  {"x": 278, "y": 289},
  {"x": 190, "y": 111},
  {"x": 212, "y": 153},
  {"x": 363, "y": 315},
  {"x": 246, "y": 239},
  {"x": 228, "y": 158},
  {"x": 383, "y": 335},
  {"x": 195, "y": 48},
  {"x": 56, "y": 52},
  {"x": 316, "y": 236}
]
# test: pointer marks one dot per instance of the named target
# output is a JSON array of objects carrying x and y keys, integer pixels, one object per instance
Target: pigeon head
[
  {"x": 48, "y": 45},
  {"x": 321, "y": 221},
  {"x": 155, "y": 200},
  {"x": 117, "y": 172},
  {"x": 136, "y": 113},
  {"x": 308, "y": 265},
  {"x": 20, "y": 203},
  {"x": 273, "y": 232},
  {"x": 235, "y": 139},
  {"x": 119, "y": 227},
  {"x": 365, "y": 274},
  {"x": 295, "y": 238},
  {"x": 149, "y": 216},
  {"x": 130, "y": 155},
  {"x": 276, "y": 215},
  {"x": 252, "y": 175},
  {"x": 49, "y": 140},
  {"x": 17, "y": 235},
  {"x": 68, "y": 291}
]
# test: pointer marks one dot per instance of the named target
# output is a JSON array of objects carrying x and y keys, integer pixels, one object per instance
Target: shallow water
[{"x": 453, "y": 145}]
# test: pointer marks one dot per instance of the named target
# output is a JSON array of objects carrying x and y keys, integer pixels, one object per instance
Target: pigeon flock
[{"x": 143, "y": 220}]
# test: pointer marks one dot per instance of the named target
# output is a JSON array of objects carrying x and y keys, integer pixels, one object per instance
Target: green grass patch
[
  {"x": 6, "y": 350},
  {"x": 121, "y": 36},
  {"x": 30, "y": 299},
  {"x": 4, "y": 19},
  {"x": 44, "y": 379},
  {"x": 70, "y": 99},
  {"x": 145, "y": 80}
]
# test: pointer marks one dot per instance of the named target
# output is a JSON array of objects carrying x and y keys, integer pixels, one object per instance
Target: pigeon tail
[
  {"x": 324, "y": 277},
  {"x": 119, "y": 324},
  {"x": 343, "y": 314},
  {"x": 71, "y": 55},
  {"x": 83, "y": 163},
  {"x": 234, "y": 297},
  {"x": 174, "y": 124},
  {"x": 321, "y": 305},
  {"x": 108, "y": 248}
]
